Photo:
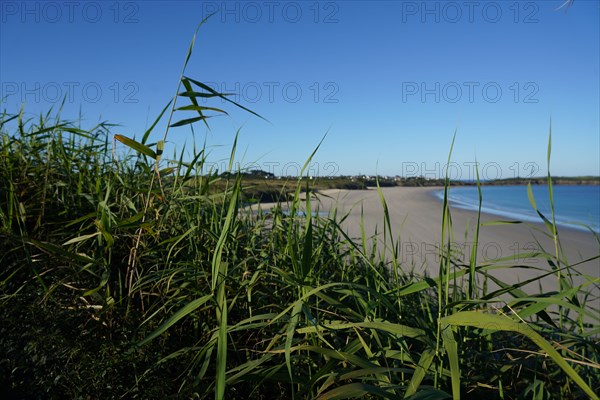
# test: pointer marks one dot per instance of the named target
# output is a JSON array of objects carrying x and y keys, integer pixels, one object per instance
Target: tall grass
[{"x": 164, "y": 285}]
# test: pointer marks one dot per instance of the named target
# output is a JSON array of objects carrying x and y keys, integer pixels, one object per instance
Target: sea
[{"x": 575, "y": 206}]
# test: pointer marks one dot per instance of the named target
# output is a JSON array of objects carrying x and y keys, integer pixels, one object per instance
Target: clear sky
[{"x": 389, "y": 82}]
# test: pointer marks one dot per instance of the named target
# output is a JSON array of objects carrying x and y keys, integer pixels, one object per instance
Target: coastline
[
  {"x": 528, "y": 215},
  {"x": 416, "y": 219}
]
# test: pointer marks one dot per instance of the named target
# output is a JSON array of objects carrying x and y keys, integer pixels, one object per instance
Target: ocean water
[{"x": 574, "y": 206}]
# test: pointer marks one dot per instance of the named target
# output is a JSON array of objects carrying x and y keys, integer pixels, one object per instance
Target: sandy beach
[{"x": 416, "y": 219}]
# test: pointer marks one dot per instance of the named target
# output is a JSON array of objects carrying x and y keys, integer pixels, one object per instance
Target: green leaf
[
  {"x": 167, "y": 170},
  {"x": 103, "y": 282},
  {"x": 81, "y": 238},
  {"x": 188, "y": 121},
  {"x": 431, "y": 394},
  {"x": 192, "y": 94},
  {"x": 55, "y": 250},
  {"x": 137, "y": 146},
  {"x": 452, "y": 351},
  {"x": 422, "y": 368},
  {"x": 147, "y": 133},
  {"x": 193, "y": 107},
  {"x": 221, "y": 95},
  {"x": 502, "y": 323},
  {"x": 397, "y": 329},
  {"x": 356, "y": 391},
  {"x": 184, "y": 311},
  {"x": 221, "y": 314},
  {"x": 291, "y": 329},
  {"x": 530, "y": 196},
  {"x": 188, "y": 87}
]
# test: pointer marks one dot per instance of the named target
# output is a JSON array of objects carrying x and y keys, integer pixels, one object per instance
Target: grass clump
[{"x": 135, "y": 276}]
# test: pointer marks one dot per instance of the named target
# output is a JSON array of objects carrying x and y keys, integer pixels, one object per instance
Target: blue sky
[{"x": 389, "y": 82}]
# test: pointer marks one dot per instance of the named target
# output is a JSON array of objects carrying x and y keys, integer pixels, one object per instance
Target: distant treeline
[
  {"x": 363, "y": 181},
  {"x": 556, "y": 180},
  {"x": 264, "y": 187}
]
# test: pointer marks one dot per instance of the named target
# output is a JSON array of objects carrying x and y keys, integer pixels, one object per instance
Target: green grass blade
[
  {"x": 356, "y": 391},
  {"x": 393, "y": 328},
  {"x": 500, "y": 323},
  {"x": 291, "y": 329},
  {"x": 221, "y": 311},
  {"x": 149, "y": 130},
  {"x": 193, "y": 107},
  {"x": 473, "y": 258},
  {"x": 222, "y": 96},
  {"x": 188, "y": 121},
  {"x": 181, "y": 313},
  {"x": 422, "y": 368},
  {"x": 531, "y": 197},
  {"x": 137, "y": 146},
  {"x": 451, "y": 348}
]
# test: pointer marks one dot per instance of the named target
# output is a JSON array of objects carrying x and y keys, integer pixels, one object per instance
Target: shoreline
[
  {"x": 500, "y": 214},
  {"x": 416, "y": 218}
]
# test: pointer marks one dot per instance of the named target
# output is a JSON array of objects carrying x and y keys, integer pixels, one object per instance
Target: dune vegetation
[{"x": 130, "y": 275}]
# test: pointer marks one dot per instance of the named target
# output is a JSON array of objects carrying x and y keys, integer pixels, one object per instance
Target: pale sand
[{"x": 416, "y": 218}]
